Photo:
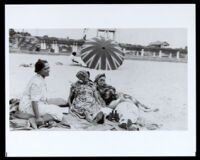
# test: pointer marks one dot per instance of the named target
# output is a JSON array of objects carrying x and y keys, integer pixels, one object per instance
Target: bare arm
[
  {"x": 70, "y": 96},
  {"x": 99, "y": 99},
  {"x": 56, "y": 101},
  {"x": 39, "y": 120},
  {"x": 114, "y": 103},
  {"x": 35, "y": 109}
]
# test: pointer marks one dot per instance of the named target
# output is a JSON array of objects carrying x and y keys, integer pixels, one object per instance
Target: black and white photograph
[{"x": 120, "y": 80}]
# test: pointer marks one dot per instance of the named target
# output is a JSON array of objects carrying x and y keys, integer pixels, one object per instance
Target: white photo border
[{"x": 97, "y": 143}]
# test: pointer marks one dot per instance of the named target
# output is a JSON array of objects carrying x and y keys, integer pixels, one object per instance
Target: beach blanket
[
  {"x": 110, "y": 123},
  {"x": 75, "y": 122}
]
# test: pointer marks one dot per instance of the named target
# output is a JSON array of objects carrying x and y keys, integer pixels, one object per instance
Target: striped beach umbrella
[{"x": 99, "y": 53}]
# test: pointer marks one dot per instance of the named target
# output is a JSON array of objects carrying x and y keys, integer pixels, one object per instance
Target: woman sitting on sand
[
  {"x": 84, "y": 100},
  {"x": 126, "y": 107},
  {"x": 34, "y": 104}
]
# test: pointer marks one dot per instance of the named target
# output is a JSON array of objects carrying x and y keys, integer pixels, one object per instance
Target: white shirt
[{"x": 36, "y": 90}]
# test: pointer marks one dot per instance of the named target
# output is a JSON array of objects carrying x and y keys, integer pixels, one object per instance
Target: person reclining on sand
[
  {"x": 75, "y": 60},
  {"x": 125, "y": 107},
  {"x": 34, "y": 104}
]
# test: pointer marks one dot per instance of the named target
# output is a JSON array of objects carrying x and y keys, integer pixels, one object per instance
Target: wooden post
[
  {"x": 142, "y": 52},
  {"x": 124, "y": 50},
  {"x": 170, "y": 55},
  {"x": 45, "y": 45},
  {"x": 42, "y": 45},
  {"x": 154, "y": 54},
  {"x": 137, "y": 53},
  {"x": 53, "y": 46},
  {"x": 178, "y": 55},
  {"x": 56, "y": 47},
  {"x": 107, "y": 34},
  {"x": 73, "y": 48},
  {"x": 160, "y": 54}
]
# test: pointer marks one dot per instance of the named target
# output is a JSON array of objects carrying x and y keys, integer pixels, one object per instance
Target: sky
[{"x": 176, "y": 37}]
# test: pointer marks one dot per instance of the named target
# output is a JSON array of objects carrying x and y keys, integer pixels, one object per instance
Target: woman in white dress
[{"x": 34, "y": 101}]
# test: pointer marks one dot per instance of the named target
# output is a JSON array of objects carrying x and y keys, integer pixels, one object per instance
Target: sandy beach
[{"x": 160, "y": 85}]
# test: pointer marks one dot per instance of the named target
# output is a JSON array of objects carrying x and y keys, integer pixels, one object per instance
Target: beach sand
[{"x": 160, "y": 85}]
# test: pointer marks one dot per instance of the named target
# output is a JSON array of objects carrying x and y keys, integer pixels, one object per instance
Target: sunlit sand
[{"x": 160, "y": 85}]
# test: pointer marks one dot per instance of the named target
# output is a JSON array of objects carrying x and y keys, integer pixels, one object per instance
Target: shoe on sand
[
  {"x": 63, "y": 124},
  {"x": 129, "y": 126},
  {"x": 123, "y": 125},
  {"x": 133, "y": 127}
]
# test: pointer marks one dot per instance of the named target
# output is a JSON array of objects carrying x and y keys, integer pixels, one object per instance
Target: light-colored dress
[
  {"x": 36, "y": 90},
  {"x": 84, "y": 101},
  {"x": 127, "y": 110}
]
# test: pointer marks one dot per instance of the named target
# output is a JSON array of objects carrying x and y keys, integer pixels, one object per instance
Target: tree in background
[{"x": 11, "y": 32}]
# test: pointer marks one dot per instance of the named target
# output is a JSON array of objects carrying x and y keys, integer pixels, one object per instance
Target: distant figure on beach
[
  {"x": 125, "y": 107},
  {"x": 34, "y": 103},
  {"x": 75, "y": 60},
  {"x": 26, "y": 65},
  {"x": 83, "y": 99}
]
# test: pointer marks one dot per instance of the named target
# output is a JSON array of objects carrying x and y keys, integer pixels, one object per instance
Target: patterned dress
[{"x": 84, "y": 101}]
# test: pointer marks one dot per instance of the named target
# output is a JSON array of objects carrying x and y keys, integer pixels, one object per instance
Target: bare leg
[
  {"x": 47, "y": 117},
  {"x": 99, "y": 118},
  {"x": 146, "y": 109},
  {"x": 57, "y": 101},
  {"x": 33, "y": 123},
  {"x": 64, "y": 122},
  {"x": 23, "y": 115},
  {"x": 142, "y": 106}
]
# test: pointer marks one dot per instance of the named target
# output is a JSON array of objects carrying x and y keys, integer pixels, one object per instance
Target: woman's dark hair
[
  {"x": 39, "y": 65},
  {"x": 99, "y": 76},
  {"x": 73, "y": 53}
]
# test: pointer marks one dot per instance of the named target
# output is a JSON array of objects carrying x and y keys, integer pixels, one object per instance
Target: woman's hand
[{"x": 88, "y": 116}]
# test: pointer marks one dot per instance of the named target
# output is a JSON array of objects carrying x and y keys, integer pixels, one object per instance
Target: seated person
[
  {"x": 34, "y": 103},
  {"x": 84, "y": 101},
  {"x": 75, "y": 60}
]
